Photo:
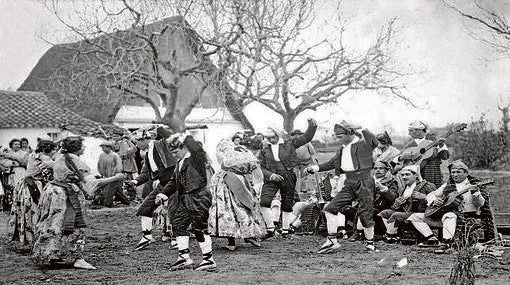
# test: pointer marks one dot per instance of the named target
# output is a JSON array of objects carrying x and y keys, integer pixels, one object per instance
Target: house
[
  {"x": 33, "y": 115},
  {"x": 221, "y": 113}
]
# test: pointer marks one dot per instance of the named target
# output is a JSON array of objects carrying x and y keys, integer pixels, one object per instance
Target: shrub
[{"x": 481, "y": 146}]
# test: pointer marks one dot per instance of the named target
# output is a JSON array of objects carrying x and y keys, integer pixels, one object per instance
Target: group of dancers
[{"x": 387, "y": 185}]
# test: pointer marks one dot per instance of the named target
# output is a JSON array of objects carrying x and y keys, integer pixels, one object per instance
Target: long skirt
[
  {"x": 51, "y": 244},
  {"x": 23, "y": 212},
  {"x": 228, "y": 217}
]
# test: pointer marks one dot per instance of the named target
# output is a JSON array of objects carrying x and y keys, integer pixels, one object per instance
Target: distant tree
[
  {"x": 491, "y": 25},
  {"x": 274, "y": 63}
]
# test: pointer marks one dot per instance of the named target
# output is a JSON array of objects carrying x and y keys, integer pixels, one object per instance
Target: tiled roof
[{"x": 26, "y": 109}]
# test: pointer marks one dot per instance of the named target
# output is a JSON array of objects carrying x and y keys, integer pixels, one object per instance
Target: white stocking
[
  {"x": 267, "y": 214},
  {"x": 390, "y": 227}
]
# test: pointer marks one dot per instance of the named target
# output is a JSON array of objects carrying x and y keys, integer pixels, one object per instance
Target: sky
[{"x": 454, "y": 77}]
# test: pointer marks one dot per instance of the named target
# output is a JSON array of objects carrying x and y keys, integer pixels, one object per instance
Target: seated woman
[
  {"x": 385, "y": 151},
  {"x": 59, "y": 234},
  {"x": 235, "y": 211},
  {"x": 28, "y": 191},
  {"x": 411, "y": 200}
]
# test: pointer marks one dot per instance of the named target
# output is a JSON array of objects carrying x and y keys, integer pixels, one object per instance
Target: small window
[{"x": 54, "y": 136}]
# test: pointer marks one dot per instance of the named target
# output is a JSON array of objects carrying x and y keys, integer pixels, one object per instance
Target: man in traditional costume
[
  {"x": 159, "y": 165},
  {"x": 354, "y": 159},
  {"x": 189, "y": 201},
  {"x": 411, "y": 200},
  {"x": 277, "y": 161},
  {"x": 430, "y": 168},
  {"x": 472, "y": 201}
]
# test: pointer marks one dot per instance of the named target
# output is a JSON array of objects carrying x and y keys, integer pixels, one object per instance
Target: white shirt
[
  {"x": 409, "y": 191},
  {"x": 467, "y": 198},
  {"x": 276, "y": 149},
  {"x": 181, "y": 162},
  {"x": 418, "y": 141},
  {"x": 346, "y": 160},
  {"x": 150, "y": 153}
]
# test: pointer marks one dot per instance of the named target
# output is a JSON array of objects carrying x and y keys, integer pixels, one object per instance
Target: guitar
[
  {"x": 453, "y": 200},
  {"x": 426, "y": 149}
]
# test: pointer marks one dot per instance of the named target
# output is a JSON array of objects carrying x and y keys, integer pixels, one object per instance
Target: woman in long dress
[
  {"x": 235, "y": 211},
  {"x": 59, "y": 231},
  {"x": 28, "y": 191},
  {"x": 18, "y": 159}
]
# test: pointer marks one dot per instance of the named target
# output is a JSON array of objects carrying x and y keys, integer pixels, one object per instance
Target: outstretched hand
[
  {"x": 161, "y": 199},
  {"x": 312, "y": 122},
  {"x": 276, "y": 178}
]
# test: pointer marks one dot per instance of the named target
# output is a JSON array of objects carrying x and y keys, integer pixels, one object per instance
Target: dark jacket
[
  {"x": 361, "y": 153},
  {"x": 192, "y": 175},
  {"x": 384, "y": 200},
  {"x": 413, "y": 205},
  {"x": 163, "y": 159},
  {"x": 286, "y": 153}
]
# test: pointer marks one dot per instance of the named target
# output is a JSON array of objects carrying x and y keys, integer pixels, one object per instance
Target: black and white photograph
[{"x": 255, "y": 142}]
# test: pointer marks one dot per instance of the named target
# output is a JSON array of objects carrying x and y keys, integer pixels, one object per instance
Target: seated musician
[
  {"x": 471, "y": 202},
  {"x": 411, "y": 200},
  {"x": 386, "y": 191},
  {"x": 430, "y": 168}
]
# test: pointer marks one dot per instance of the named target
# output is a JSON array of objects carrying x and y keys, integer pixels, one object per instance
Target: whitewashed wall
[
  {"x": 30, "y": 133},
  {"x": 220, "y": 124}
]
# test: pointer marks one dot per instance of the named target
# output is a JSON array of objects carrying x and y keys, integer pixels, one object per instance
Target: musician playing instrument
[
  {"x": 430, "y": 167},
  {"x": 411, "y": 200},
  {"x": 472, "y": 200}
]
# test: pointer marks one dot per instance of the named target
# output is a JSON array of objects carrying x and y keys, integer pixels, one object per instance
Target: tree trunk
[
  {"x": 505, "y": 120},
  {"x": 288, "y": 122},
  {"x": 174, "y": 120}
]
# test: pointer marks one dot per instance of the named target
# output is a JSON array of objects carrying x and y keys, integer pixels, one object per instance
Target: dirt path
[{"x": 113, "y": 233}]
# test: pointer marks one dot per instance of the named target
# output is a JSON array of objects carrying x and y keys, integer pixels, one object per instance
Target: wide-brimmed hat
[{"x": 107, "y": 143}]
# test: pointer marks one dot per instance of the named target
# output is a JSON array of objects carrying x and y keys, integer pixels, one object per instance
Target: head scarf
[
  {"x": 459, "y": 164},
  {"x": 45, "y": 146},
  {"x": 414, "y": 169},
  {"x": 345, "y": 127},
  {"x": 232, "y": 156},
  {"x": 384, "y": 138},
  {"x": 274, "y": 131},
  {"x": 107, "y": 143},
  {"x": 71, "y": 144},
  {"x": 419, "y": 125},
  {"x": 385, "y": 164}
]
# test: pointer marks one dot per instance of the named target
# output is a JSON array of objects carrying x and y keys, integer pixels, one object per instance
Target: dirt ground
[{"x": 113, "y": 233}]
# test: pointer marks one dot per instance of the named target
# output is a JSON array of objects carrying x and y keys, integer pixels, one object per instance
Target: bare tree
[
  {"x": 491, "y": 25},
  {"x": 134, "y": 49},
  {"x": 493, "y": 29},
  {"x": 247, "y": 50},
  {"x": 274, "y": 63}
]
